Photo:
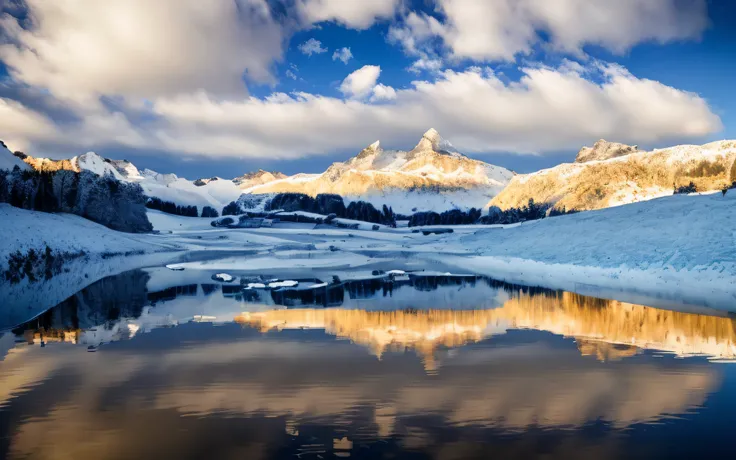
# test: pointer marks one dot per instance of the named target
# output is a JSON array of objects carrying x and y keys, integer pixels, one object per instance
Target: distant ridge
[{"x": 612, "y": 174}]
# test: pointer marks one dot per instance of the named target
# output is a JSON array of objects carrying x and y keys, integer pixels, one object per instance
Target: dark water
[{"x": 161, "y": 364}]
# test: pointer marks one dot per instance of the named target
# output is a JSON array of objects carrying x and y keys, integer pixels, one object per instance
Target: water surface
[{"x": 161, "y": 364}]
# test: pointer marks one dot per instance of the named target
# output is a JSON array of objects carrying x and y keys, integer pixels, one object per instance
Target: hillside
[
  {"x": 213, "y": 192},
  {"x": 8, "y": 161},
  {"x": 613, "y": 174},
  {"x": 431, "y": 176}
]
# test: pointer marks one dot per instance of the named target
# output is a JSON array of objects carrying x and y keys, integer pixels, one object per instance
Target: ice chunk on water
[
  {"x": 285, "y": 283},
  {"x": 224, "y": 277}
]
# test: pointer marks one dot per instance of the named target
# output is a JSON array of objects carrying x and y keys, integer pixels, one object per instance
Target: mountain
[
  {"x": 256, "y": 178},
  {"x": 166, "y": 187},
  {"x": 610, "y": 174},
  {"x": 431, "y": 176}
]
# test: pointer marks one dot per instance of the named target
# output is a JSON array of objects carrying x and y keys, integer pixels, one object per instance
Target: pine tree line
[
  {"x": 325, "y": 204},
  {"x": 532, "y": 211},
  {"x": 451, "y": 217}
]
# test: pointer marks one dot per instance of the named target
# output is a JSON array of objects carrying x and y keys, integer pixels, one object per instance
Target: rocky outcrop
[
  {"x": 259, "y": 177},
  {"x": 604, "y": 150}
]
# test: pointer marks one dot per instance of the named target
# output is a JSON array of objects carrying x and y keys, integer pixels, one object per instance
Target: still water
[{"x": 161, "y": 364}]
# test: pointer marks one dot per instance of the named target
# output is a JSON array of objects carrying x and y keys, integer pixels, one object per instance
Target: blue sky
[{"x": 227, "y": 88}]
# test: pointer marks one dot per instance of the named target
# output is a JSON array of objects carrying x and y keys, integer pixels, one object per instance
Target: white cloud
[
  {"x": 142, "y": 48},
  {"x": 358, "y": 14},
  {"x": 426, "y": 64},
  {"x": 549, "y": 109},
  {"x": 179, "y": 88},
  {"x": 312, "y": 46},
  {"x": 342, "y": 54},
  {"x": 361, "y": 82},
  {"x": 501, "y": 29},
  {"x": 21, "y": 124},
  {"x": 382, "y": 92}
]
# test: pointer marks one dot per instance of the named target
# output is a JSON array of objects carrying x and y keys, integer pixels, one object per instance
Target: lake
[{"x": 157, "y": 363}]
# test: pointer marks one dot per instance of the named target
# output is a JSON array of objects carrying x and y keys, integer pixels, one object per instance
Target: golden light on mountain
[{"x": 609, "y": 330}]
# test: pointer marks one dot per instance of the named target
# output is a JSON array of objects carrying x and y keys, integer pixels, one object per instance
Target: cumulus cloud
[
  {"x": 137, "y": 48},
  {"x": 502, "y": 29},
  {"x": 548, "y": 109},
  {"x": 312, "y": 46},
  {"x": 141, "y": 48},
  {"x": 342, "y": 54},
  {"x": 355, "y": 14},
  {"x": 426, "y": 64},
  {"x": 361, "y": 82},
  {"x": 111, "y": 75},
  {"x": 382, "y": 92}
]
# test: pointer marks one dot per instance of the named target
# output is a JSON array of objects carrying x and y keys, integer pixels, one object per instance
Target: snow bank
[
  {"x": 674, "y": 247},
  {"x": 93, "y": 252},
  {"x": 8, "y": 161},
  {"x": 164, "y": 222}
]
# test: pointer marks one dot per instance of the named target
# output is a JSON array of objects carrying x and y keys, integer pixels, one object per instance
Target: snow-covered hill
[
  {"x": 431, "y": 176},
  {"x": 612, "y": 174},
  {"x": 8, "y": 161},
  {"x": 214, "y": 192}
]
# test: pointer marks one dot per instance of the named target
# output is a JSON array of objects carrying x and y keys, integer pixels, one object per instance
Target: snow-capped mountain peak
[
  {"x": 432, "y": 143},
  {"x": 429, "y": 141},
  {"x": 431, "y": 176}
]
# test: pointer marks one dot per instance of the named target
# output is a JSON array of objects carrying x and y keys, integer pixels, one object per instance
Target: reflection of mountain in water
[
  {"x": 609, "y": 330},
  {"x": 392, "y": 319},
  {"x": 220, "y": 384}
]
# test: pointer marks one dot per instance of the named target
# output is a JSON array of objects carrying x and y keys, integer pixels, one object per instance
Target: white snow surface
[
  {"x": 8, "y": 161},
  {"x": 676, "y": 250}
]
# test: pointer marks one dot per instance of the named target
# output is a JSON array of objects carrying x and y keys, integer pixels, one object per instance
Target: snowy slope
[
  {"x": 8, "y": 161},
  {"x": 97, "y": 252},
  {"x": 679, "y": 247}
]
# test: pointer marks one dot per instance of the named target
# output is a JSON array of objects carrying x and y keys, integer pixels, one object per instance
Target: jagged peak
[
  {"x": 432, "y": 141},
  {"x": 371, "y": 150},
  {"x": 432, "y": 135}
]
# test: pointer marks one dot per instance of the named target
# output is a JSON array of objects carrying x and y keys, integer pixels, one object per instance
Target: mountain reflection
[
  {"x": 389, "y": 316},
  {"x": 609, "y": 330},
  {"x": 306, "y": 381}
]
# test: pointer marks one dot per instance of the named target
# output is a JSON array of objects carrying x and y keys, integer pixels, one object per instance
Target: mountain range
[{"x": 433, "y": 176}]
